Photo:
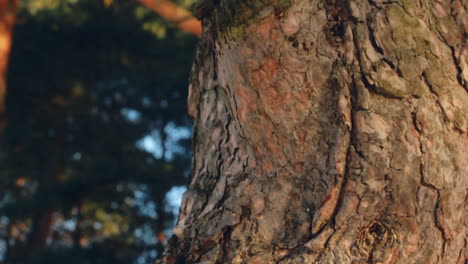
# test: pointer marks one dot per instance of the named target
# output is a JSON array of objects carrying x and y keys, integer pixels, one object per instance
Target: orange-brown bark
[
  {"x": 175, "y": 14},
  {"x": 7, "y": 20},
  {"x": 328, "y": 132}
]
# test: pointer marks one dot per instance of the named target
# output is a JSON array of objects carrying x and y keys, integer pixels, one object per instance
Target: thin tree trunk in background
[
  {"x": 78, "y": 232},
  {"x": 7, "y": 20},
  {"x": 160, "y": 226},
  {"x": 328, "y": 132},
  {"x": 41, "y": 228},
  {"x": 175, "y": 14},
  {"x": 43, "y": 221},
  {"x": 160, "y": 199}
]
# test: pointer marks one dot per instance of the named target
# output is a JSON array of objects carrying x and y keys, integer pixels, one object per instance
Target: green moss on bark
[{"x": 230, "y": 18}]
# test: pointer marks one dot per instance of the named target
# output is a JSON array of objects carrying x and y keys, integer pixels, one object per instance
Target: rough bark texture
[{"x": 328, "y": 132}]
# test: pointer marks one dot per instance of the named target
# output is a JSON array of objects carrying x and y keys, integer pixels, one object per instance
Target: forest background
[{"x": 95, "y": 153}]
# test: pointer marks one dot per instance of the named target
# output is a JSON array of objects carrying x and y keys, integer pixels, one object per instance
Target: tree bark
[
  {"x": 328, "y": 132},
  {"x": 7, "y": 20}
]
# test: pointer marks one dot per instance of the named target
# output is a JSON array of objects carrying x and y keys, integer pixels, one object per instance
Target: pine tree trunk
[
  {"x": 328, "y": 132},
  {"x": 7, "y": 20}
]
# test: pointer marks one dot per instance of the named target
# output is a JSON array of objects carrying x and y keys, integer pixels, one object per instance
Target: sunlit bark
[
  {"x": 7, "y": 20},
  {"x": 328, "y": 132}
]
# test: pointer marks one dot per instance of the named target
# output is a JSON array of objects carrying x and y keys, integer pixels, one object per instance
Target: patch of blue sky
[
  {"x": 153, "y": 144},
  {"x": 174, "y": 198}
]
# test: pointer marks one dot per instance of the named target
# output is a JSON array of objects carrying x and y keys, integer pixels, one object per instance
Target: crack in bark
[
  {"x": 325, "y": 245},
  {"x": 332, "y": 221},
  {"x": 456, "y": 62},
  {"x": 226, "y": 241},
  {"x": 460, "y": 79},
  {"x": 437, "y": 101},
  {"x": 372, "y": 39},
  {"x": 461, "y": 253},
  {"x": 354, "y": 109},
  {"x": 371, "y": 87},
  {"x": 437, "y": 223},
  {"x": 429, "y": 84},
  {"x": 423, "y": 182}
]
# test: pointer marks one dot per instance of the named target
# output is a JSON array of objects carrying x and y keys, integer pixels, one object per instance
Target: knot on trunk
[{"x": 374, "y": 242}]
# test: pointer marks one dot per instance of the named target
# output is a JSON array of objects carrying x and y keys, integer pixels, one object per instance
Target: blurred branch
[{"x": 175, "y": 14}]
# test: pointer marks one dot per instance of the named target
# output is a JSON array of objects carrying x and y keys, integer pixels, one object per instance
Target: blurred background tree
[{"x": 97, "y": 133}]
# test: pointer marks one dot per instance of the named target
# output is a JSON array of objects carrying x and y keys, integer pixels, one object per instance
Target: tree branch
[{"x": 175, "y": 14}]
